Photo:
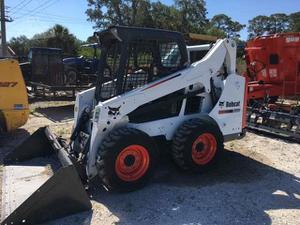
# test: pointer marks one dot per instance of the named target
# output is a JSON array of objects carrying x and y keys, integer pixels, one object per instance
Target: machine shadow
[
  {"x": 57, "y": 113},
  {"x": 83, "y": 218},
  {"x": 239, "y": 190},
  {"x": 274, "y": 136},
  {"x": 9, "y": 141}
]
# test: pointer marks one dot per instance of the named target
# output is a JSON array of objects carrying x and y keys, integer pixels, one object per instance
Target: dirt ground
[{"x": 256, "y": 182}]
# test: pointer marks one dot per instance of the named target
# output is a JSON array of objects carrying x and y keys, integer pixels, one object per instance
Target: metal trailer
[
  {"x": 45, "y": 66},
  {"x": 45, "y": 77},
  {"x": 47, "y": 92}
]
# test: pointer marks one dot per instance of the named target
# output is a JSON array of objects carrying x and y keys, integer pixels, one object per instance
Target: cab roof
[{"x": 125, "y": 33}]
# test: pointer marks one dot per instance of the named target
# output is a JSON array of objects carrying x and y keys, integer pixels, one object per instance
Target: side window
[
  {"x": 144, "y": 61},
  {"x": 140, "y": 56},
  {"x": 112, "y": 55},
  {"x": 139, "y": 65},
  {"x": 274, "y": 59},
  {"x": 170, "y": 55}
]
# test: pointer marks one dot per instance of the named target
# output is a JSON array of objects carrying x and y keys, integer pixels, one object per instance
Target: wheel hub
[
  {"x": 204, "y": 148},
  {"x": 200, "y": 147},
  {"x": 129, "y": 160},
  {"x": 132, "y": 163}
]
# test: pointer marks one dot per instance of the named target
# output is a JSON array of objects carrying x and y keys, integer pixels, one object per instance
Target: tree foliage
[
  {"x": 20, "y": 45},
  {"x": 225, "y": 24},
  {"x": 107, "y": 12},
  {"x": 275, "y": 23},
  {"x": 258, "y": 25},
  {"x": 184, "y": 15},
  {"x": 278, "y": 23},
  {"x": 213, "y": 31},
  {"x": 56, "y": 37},
  {"x": 294, "y": 22},
  {"x": 192, "y": 15}
]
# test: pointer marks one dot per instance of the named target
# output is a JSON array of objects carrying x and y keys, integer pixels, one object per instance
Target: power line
[
  {"x": 35, "y": 9},
  {"x": 16, "y": 6},
  {"x": 19, "y": 6},
  {"x": 39, "y": 7},
  {"x": 45, "y": 17},
  {"x": 49, "y": 5},
  {"x": 49, "y": 15},
  {"x": 56, "y": 20}
]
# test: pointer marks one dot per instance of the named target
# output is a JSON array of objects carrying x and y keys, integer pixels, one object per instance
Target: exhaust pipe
[{"x": 40, "y": 182}]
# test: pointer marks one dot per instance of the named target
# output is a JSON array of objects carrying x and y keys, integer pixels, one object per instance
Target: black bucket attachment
[{"x": 40, "y": 182}]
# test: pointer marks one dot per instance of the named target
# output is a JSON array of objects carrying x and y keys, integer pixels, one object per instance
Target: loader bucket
[{"x": 40, "y": 182}]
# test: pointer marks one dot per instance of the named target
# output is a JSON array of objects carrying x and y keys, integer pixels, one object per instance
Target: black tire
[
  {"x": 187, "y": 139},
  {"x": 112, "y": 148},
  {"x": 71, "y": 76}
]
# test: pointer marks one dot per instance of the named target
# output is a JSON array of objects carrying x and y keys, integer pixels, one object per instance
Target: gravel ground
[{"x": 256, "y": 182}]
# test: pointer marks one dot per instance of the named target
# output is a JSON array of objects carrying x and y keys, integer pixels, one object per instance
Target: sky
[{"x": 35, "y": 16}]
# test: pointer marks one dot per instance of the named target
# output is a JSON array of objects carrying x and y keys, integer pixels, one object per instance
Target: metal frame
[{"x": 51, "y": 92}]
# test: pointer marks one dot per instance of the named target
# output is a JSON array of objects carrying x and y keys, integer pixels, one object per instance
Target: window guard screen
[{"x": 143, "y": 61}]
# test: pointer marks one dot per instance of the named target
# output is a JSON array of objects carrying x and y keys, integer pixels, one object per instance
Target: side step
[{"x": 40, "y": 182}]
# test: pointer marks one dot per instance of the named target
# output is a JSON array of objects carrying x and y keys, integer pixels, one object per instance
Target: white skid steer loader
[{"x": 148, "y": 88}]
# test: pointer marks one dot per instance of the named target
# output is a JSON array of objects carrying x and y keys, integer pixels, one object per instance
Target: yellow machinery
[{"x": 14, "y": 108}]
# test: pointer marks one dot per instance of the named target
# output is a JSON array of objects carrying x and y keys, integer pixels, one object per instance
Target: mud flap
[{"x": 40, "y": 182}]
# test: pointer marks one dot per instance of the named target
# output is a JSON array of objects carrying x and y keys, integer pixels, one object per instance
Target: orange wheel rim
[
  {"x": 132, "y": 163},
  {"x": 204, "y": 149}
]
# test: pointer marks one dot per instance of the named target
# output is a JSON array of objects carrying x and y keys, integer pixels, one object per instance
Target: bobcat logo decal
[{"x": 114, "y": 111}]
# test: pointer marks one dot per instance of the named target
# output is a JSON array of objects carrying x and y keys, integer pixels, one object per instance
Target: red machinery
[
  {"x": 273, "y": 68},
  {"x": 273, "y": 63}
]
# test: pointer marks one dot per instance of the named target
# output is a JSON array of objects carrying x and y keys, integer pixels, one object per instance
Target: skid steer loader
[{"x": 148, "y": 89}]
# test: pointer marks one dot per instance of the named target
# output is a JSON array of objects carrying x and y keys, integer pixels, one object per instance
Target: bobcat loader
[{"x": 147, "y": 90}]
